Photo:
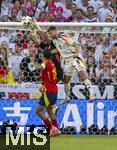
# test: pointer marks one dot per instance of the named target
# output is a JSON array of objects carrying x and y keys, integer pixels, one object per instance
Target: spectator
[
  {"x": 23, "y": 12},
  {"x": 83, "y": 6},
  {"x": 4, "y": 51},
  {"x": 114, "y": 36},
  {"x": 80, "y": 16},
  {"x": 51, "y": 17},
  {"x": 26, "y": 2},
  {"x": 113, "y": 2},
  {"x": 17, "y": 5},
  {"x": 42, "y": 17},
  {"x": 109, "y": 19},
  {"x": 108, "y": 29},
  {"x": 113, "y": 53},
  {"x": 5, "y": 18},
  {"x": 4, "y": 36},
  {"x": 84, "y": 50},
  {"x": 67, "y": 11},
  {"x": 104, "y": 46},
  {"x": 33, "y": 3},
  {"x": 35, "y": 7},
  {"x": 91, "y": 67},
  {"x": 14, "y": 13},
  {"x": 52, "y": 7},
  {"x": 96, "y": 4},
  {"x": 11, "y": 48},
  {"x": 27, "y": 67},
  {"x": 105, "y": 71},
  {"x": 5, "y": 6},
  {"x": 91, "y": 15},
  {"x": 78, "y": 2},
  {"x": 105, "y": 11},
  {"x": 106, "y": 58},
  {"x": 114, "y": 74},
  {"x": 59, "y": 16},
  {"x": 114, "y": 7},
  {"x": 14, "y": 60},
  {"x": 0, "y": 6},
  {"x": 19, "y": 38},
  {"x": 58, "y": 3},
  {"x": 106, "y": 42},
  {"x": 97, "y": 38},
  {"x": 30, "y": 44},
  {"x": 41, "y": 4},
  {"x": 30, "y": 11},
  {"x": 74, "y": 13}
]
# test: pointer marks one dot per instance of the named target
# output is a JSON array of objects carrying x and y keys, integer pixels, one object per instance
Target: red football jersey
[{"x": 49, "y": 77}]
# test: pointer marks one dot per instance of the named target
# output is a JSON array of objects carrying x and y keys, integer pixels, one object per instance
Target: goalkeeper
[{"x": 70, "y": 54}]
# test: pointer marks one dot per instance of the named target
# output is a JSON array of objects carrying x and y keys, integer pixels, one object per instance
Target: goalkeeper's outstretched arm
[
  {"x": 39, "y": 33},
  {"x": 36, "y": 31}
]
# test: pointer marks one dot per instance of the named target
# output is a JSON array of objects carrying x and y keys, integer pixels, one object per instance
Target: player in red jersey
[{"x": 49, "y": 90}]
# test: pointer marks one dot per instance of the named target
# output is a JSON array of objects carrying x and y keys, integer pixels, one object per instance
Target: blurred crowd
[
  {"x": 18, "y": 50},
  {"x": 59, "y": 10},
  {"x": 99, "y": 52}
]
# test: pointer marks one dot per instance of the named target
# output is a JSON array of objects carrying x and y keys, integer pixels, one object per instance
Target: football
[{"x": 26, "y": 20}]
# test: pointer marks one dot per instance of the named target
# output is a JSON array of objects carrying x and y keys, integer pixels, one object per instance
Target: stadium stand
[{"x": 59, "y": 10}]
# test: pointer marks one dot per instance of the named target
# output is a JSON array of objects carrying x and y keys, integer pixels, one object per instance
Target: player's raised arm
[
  {"x": 35, "y": 29},
  {"x": 37, "y": 34}
]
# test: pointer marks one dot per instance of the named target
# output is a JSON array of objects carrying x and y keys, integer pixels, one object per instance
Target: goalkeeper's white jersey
[{"x": 63, "y": 43}]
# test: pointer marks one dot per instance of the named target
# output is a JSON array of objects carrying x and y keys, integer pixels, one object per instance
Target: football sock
[
  {"x": 54, "y": 123},
  {"x": 67, "y": 90},
  {"x": 88, "y": 84},
  {"x": 48, "y": 123}
]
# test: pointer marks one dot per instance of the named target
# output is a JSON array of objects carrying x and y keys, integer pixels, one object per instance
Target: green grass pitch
[{"x": 72, "y": 142}]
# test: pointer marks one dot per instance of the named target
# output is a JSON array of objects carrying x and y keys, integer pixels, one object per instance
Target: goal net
[{"x": 20, "y": 80}]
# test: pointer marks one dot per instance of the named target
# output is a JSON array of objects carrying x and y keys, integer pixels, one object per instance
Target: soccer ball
[{"x": 26, "y": 20}]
